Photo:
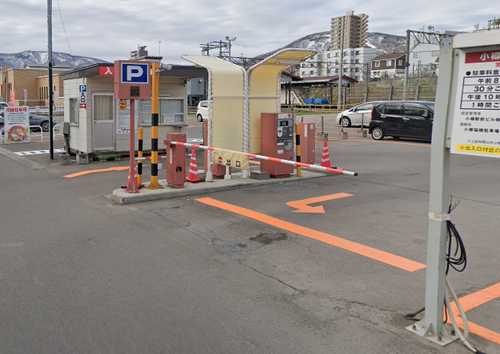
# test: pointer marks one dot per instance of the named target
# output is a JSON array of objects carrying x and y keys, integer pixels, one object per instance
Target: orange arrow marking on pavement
[
  {"x": 100, "y": 170},
  {"x": 302, "y": 206}
]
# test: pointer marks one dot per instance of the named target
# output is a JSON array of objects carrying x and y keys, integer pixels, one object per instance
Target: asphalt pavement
[{"x": 236, "y": 271}]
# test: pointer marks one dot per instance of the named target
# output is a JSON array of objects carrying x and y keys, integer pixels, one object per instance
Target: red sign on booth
[{"x": 105, "y": 70}]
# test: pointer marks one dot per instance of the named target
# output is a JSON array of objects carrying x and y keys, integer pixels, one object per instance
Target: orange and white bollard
[
  {"x": 325, "y": 154},
  {"x": 193, "y": 168}
]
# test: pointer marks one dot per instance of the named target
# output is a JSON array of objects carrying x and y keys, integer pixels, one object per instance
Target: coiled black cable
[{"x": 458, "y": 258}]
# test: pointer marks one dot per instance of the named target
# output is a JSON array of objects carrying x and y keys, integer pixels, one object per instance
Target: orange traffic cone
[
  {"x": 325, "y": 154},
  {"x": 193, "y": 168}
]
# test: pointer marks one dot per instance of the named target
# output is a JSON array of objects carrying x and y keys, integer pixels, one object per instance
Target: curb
[{"x": 119, "y": 196}]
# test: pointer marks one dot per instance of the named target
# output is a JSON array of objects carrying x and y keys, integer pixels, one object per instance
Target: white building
[
  {"x": 328, "y": 63},
  {"x": 424, "y": 59}
]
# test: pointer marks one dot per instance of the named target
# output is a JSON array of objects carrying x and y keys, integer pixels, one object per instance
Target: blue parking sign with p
[{"x": 135, "y": 73}]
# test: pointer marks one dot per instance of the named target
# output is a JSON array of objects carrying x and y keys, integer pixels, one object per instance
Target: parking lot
[{"x": 240, "y": 271}]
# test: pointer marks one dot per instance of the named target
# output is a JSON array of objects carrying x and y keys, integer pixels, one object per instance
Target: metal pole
[
  {"x": 366, "y": 82},
  {"x": 132, "y": 182},
  {"x": 155, "y": 117},
  {"x": 407, "y": 66},
  {"x": 432, "y": 325},
  {"x": 51, "y": 93},
  {"x": 341, "y": 68}
]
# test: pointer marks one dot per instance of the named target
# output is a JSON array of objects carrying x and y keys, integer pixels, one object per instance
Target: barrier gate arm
[{"x": 336, "y": 171}]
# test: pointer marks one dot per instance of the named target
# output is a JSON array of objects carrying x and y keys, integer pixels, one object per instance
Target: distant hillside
[
  {"x": 321, "y": 41},
  {"x": 33, "y": 58}
]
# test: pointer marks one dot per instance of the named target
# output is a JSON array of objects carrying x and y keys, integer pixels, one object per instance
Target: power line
[{"x": 66, "y": 37}]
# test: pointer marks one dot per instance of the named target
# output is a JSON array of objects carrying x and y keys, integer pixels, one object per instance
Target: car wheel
[
  {"x": 45, "y": 126},
  {"x": 199, "y": 117},
  {"x": 345, "y": 122},
  {"x": 377, "y": 133}
]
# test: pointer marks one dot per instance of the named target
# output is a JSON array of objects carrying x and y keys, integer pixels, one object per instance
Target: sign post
[
  {"x": 467, "y": 122},
  {"x": 131, "y": 83}
]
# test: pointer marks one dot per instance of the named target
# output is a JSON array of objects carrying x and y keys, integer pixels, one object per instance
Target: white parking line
[{"x": 37, "y": 152}]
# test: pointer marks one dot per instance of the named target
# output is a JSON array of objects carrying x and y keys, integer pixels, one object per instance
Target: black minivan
[{"x": 402, "y": 119}]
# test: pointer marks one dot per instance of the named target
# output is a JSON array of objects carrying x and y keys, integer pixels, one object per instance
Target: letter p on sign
[{"x": 135, "y": 73}]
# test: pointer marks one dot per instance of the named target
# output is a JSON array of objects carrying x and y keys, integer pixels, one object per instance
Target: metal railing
[{"x": 58, "y": 131}]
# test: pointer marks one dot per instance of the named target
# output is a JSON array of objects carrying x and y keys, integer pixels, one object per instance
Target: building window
[
  {"x": 377, "y": 64},
  {"x": 171, "y": 110},
  {"x": 388, "y": 63},
  {"x": 103, "y": 107},
  {"x": 74, "y": 111},
  {"x": 144, "y": 111},
  {"x": 400, "y": 62}
]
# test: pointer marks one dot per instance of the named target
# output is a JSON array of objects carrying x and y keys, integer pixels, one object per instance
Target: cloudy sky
[{"x": 108, "y": 29}]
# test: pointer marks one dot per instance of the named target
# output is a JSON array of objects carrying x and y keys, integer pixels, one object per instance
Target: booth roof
[{"x": 171, "y": 67}]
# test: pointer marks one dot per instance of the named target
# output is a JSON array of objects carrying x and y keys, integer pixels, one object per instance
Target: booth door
[{"x": 103, "y": 122}]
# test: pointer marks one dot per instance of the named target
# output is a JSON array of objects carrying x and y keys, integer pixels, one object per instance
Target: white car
[
  {"x": 202, "y": 111},
  {"x": 357, "y": 115}
]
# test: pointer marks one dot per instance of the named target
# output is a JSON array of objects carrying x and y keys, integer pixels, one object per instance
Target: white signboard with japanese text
[
  {"x": 476, "y": 123},
  {"x": 123, "y": 117},
  {"x": 16, "y": 125}
]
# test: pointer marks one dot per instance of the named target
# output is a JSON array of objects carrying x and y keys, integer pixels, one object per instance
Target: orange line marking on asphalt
[
  {"x": 474, "y": 300},
  {"x": 332, "y": 240},
  {"x": 302, "y": 206},
  {"x": 100, "y": 170}
]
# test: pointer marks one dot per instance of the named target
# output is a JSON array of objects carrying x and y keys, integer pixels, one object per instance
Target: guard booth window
[
  {"x": 171, "y": 111},
  {"x": 103, "y": 107},
  {"x": 144, "y": 112},
  {"x": 74, "y": 111}
]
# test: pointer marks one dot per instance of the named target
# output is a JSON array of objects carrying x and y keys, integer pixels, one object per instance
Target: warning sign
[
  {"x": 476, "y": 124},
  {"x": 232, "y": 159}
]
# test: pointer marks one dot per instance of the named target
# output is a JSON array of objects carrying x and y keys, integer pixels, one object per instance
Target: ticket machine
[{"x": 277, "y": 132}]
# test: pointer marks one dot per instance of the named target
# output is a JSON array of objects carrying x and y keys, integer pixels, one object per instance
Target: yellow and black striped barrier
[
  {"x": 155, "y": 93},
  {"x": 298, "y": 149},
  {"x": 140, "y": 154}
]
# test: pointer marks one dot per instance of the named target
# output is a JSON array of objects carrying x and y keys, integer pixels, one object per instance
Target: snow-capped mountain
[
  {"x": 320, "y": 42},
  {"x": 35, "y": 58}
]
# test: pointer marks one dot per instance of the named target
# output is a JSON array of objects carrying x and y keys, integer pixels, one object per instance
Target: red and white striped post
[{"x": 307, "y": 166}]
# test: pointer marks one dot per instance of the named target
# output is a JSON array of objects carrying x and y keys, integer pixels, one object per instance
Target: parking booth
[
  {"x": 96, "y": 122},
  {"x": 237, "y": 98}
]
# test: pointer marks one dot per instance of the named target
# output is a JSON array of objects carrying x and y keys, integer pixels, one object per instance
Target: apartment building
[
  {"x": 355, "y": 64},
  {"x": 350, "y": 29}
]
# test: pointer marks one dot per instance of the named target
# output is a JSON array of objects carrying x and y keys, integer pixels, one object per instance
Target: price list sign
[{"x": 476, "y": 123}]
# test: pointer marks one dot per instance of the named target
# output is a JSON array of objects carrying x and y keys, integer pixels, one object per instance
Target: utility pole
[
  {"x": 341, "y": 70},
  {"x": 367, "y": 79},
  {"x": 51, "y": 84},
  {"x": 407, "y": 65}
]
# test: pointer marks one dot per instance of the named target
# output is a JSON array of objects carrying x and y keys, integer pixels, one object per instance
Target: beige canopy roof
[
  {"x": 225, "y": 92},
  {"x": 264, "y": 88}
]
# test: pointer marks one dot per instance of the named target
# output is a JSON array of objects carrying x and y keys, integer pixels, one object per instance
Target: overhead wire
[{"x": 63, "y": 26}]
